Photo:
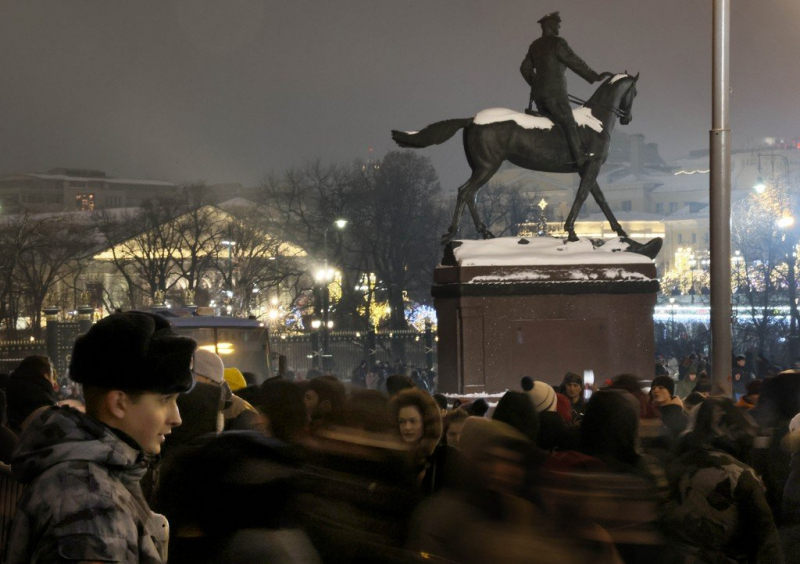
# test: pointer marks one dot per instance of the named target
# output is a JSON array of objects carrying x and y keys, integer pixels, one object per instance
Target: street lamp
[
  {"x": 230, "y": 245},
  {"x": 324, "y": 277}
]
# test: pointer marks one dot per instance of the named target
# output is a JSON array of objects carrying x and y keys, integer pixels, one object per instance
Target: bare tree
[
  {"x": 52, "y": 254},
  {"x": 397, "y": 223}
]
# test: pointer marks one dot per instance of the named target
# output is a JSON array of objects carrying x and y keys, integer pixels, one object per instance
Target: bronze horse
[{"x": 532, "y": 142}]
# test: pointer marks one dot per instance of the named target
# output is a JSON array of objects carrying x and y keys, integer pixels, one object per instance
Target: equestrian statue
[{"x": 556, "y": 139}]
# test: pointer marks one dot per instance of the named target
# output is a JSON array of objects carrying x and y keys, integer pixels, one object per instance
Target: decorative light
[
  {"x": 542, "y": 204},
  {"x": 785, "y": 222},
  {"x": 316, "y": 324},
  {"x": 759, "y": 186},
  {"x": 340, "y": 223}
]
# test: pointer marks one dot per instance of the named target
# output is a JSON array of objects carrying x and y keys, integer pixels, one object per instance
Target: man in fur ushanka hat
[{"x": 82, "y": 499}]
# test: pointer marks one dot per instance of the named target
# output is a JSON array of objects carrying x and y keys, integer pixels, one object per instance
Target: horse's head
[
  {"x": 625, "y": 105},
  {"x": 616, "y": 95}
]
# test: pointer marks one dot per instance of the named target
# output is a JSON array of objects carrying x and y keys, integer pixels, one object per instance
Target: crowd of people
[{"x": 167, "y": 455}]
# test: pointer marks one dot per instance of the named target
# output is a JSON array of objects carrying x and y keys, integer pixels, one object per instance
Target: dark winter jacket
[
  {"x": 82, "y": 499},
  {"x": 718, "y": 504}
]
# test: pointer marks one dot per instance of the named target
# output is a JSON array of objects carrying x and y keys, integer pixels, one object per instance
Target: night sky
[{"x": 231, "y": 90}]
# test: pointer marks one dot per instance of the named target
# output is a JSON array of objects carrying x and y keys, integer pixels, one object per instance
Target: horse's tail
[{"x": 435, "y": 134}]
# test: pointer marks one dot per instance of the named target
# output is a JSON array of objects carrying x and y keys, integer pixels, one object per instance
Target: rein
[{"x": 620, "y": 113}]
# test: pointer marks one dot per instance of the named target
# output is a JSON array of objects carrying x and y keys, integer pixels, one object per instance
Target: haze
[{"x": 230, "y": 91}]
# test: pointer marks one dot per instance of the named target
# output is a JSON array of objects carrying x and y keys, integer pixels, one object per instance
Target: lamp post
[
  {"x": 229, "y": 292},
  {"x": 324, "y": 277}
]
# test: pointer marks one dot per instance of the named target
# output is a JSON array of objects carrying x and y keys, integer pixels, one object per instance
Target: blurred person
[
  {"x": 488, "y": 520},
  {"x": 668, "y": 406},
  {"x": 420, "y": 427},
  {"x": 397, "y": 383},
  {"x": 358, "y": 378},
  {"x": 693, "y": 400},
  {"x": 420, "y": 381},
  {"x": 791, "y": 492},
  {"x": 740, "y": 377},
  {"x": 717, "y": 510},
  {"x": 282, "y": 410},
  {"x": 8, "y": 440},
  {"x": 235, "y": 379},
  {"x": 703, "y": 385},
  {"x": 358, "y": 489},
  {"x": 685, "y": 386},
  {"x": 228, "y": 499},
  {"x": 778, "y": 404},
  {"x": 82, "y": 500},
  {"x": 441, "y": 401},
  {"x": 250, "y": 378},
  {"x": 452, "y": 424},
  {"x": 324, "y": 399},
  {"x": 564, "y": 408},
  {"x": 237, "y": 414},
  {"x": 626, "y": 498},
  {"x": 630, "y": 384},
  {"x": 477, "y": 408},
  {"x": 31, "y": 390},
  {"x": 553, "y": 432},
  {"x": 750, "y": 399},
  {"x": 572, "y": 388}
]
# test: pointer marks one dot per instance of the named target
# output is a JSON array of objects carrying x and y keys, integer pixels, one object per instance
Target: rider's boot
[{"x": 575, "y": 146}]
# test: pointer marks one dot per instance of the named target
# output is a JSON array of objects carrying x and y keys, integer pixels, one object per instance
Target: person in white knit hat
[
  {"x": 543, "y": 396},
  {"x": 238, "y": 414}
]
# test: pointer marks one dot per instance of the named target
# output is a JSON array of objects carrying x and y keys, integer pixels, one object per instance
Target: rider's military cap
[{"x": 552, "y": 16}]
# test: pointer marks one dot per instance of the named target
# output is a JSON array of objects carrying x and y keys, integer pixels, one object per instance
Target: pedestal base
[{"x": 499, "y": 323}]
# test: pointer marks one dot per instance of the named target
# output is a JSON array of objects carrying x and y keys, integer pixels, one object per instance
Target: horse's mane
[{"x": 606, "y": 84}]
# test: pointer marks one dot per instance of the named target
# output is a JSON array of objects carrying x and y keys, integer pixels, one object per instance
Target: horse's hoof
[
  {"x": 487, "y": 234},
  {"x": 447, "y": 237},
  {"x": 571, "y": 237}
]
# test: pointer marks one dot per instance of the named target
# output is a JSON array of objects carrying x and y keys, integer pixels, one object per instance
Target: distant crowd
[{"x": 154, "y": 451}]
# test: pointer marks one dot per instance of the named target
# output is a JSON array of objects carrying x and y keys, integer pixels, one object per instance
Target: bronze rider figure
[{"x": 544, "y": 69}]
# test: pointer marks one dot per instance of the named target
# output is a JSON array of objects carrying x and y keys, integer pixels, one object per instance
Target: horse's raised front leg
[{"x": 601, "y": 201}]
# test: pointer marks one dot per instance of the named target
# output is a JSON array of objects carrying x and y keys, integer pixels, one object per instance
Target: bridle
[{"x": 619, "y": 112}]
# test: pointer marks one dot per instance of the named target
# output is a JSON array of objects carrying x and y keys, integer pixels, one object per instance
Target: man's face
[
  {"x": 552, "y": 26},
  {"x": 692, "y": 376},
  {"x": 150, "y": 418},
  {"x": 573, "y": 390},
  {"x": 740, "y": 362},
  {"x": 660, "y": 395}
]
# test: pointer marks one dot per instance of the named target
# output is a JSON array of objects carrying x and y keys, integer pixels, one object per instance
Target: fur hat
[
  {"x": 665, "y": 382},
  {"x": 133, "y": 351},
  {"x": 209, "y": 365},
  {"x": 543, "y": 396}
]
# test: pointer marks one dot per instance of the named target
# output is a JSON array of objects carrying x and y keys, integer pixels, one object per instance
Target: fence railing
[{"x": 346, "y": 349}]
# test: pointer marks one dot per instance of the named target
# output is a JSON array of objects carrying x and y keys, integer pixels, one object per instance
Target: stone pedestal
[{"x": 499, "y": 323}]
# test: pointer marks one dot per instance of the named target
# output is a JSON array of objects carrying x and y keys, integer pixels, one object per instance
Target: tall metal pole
[{"x": 721, "y": 202}]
